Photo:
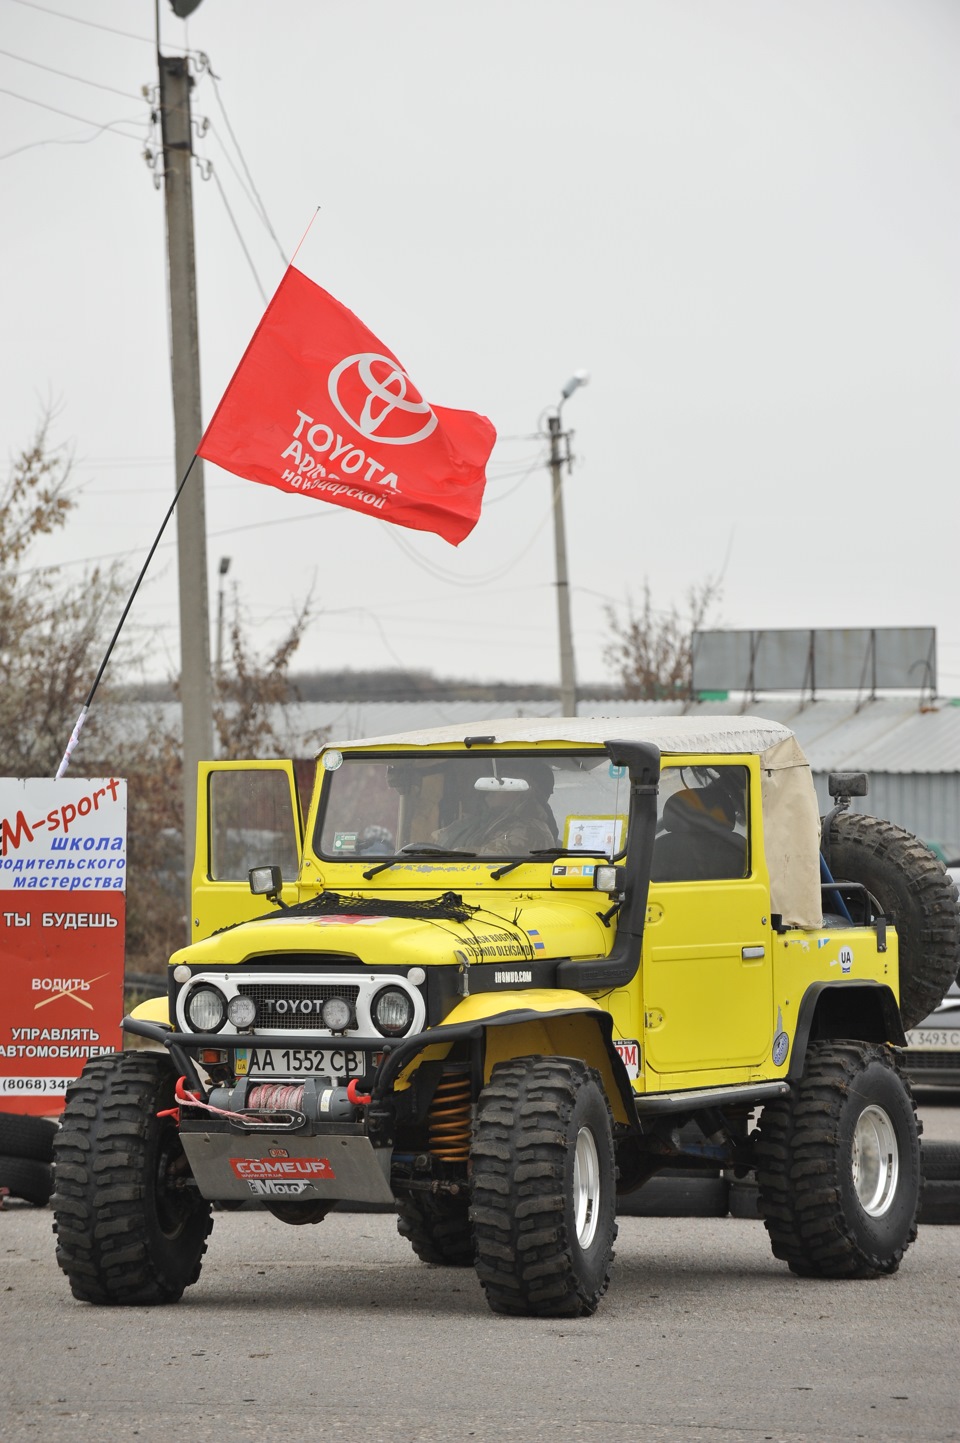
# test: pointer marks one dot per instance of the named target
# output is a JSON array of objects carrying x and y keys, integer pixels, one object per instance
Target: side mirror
[{"x": 266, "y": 882}]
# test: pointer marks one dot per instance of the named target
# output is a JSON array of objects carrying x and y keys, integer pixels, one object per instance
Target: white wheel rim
[
  {"x": 876, "y": 1161},
  {"x": 586, "y": 1187}
]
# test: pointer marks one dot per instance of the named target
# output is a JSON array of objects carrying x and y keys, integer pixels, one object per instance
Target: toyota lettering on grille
[{"x": 280, "y": 1006}]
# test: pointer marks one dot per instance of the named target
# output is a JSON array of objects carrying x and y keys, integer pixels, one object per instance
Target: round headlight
[
  {"x": 336, "y": 1014},
  {"x": 392, "y": 1012},
  {"x": 242, "y": 1011},
  {"x": 206, "y": 1010}
]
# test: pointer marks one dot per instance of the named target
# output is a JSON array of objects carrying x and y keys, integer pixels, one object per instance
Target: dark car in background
[{"x": 932, "y": 1054}]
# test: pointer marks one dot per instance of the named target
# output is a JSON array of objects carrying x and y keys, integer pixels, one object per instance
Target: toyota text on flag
[{"x": 319, "y": 406}]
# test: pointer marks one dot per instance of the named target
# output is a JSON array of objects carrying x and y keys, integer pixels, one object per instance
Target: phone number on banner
[{"x": 33, "y": 1086}]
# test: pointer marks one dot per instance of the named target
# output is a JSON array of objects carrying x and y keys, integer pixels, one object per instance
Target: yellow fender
[
  {"x": 155, "y": 1009},
  {"x": 547, "y": 1022}
]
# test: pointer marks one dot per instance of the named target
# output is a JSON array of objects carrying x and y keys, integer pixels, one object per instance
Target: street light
[
  {"x": 224, "y": 568},
  {"x": 568, "y": 681}
]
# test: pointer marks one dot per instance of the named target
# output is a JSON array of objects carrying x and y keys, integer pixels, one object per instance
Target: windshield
[{"x": 504, "y": 805}]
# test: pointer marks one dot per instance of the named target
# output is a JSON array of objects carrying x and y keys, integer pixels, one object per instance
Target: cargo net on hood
[{"x": 449, "y": 907}]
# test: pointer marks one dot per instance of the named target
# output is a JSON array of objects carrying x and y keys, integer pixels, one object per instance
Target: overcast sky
[{"x": 742, "y": 216}]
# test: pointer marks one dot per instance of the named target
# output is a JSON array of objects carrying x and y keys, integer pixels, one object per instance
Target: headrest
[{"x": 691, "y": 808}]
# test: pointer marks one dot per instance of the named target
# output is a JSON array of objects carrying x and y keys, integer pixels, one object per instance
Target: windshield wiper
[
  {"x": 546, "y": 853},
  {"x": 415, "y": 849},
  {"x": 569, "y": 852}
]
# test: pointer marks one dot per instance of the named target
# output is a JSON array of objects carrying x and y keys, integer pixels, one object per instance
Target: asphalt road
[{"x": 337, "y": 1332}]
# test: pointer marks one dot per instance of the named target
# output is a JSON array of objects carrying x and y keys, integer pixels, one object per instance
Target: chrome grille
[{"x": 294, "y": 1005}]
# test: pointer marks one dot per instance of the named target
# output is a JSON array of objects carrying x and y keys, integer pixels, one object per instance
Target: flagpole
[{"x": 75, "y": 735}]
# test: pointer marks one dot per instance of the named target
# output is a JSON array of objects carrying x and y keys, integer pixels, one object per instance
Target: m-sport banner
[
  {"x": 62, "y": 892},
  {"x": 320, "y": 407}
]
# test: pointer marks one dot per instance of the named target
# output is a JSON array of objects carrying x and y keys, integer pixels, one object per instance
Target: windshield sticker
[
  {"x": 593, "y": 834},
  {"x": 345, "y": 841}
]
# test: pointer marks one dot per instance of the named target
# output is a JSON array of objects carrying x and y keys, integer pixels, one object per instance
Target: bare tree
[
  {"x": 651, "y": 650},
  {"x": 51, "y": 633},
  {"x": 52, "y": 638},
  {"x": 248, "y": 694}
]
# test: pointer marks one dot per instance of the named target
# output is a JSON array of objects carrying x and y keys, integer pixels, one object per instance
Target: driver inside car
[{"x": 503, "y": 819}]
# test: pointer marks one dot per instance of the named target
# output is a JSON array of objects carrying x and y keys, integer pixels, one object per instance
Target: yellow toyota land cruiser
[{"x": 503, "y": 977}]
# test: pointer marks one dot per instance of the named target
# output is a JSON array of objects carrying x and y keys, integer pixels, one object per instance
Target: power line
[
  {"x": 263, "y": 210},
  {"x": 93, "y": 24},
  {"x": 166, "y": 545},
  {"x": 214, "y": 131},
  {"x": 68, "y": 140},
  {"x": 534, "y": 466},
  {"x": 440, "y": 574},
  {"x": 233, "y": 222},
  {"x": 81, "y": 79},
  {"x": 108, "y": 125}
]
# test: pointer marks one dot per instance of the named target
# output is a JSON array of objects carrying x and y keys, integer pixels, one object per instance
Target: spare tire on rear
[{"x": 914, "y": 888}]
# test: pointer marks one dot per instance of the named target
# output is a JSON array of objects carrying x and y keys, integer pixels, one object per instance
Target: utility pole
[
  {"x": 568, "y": 681},
  {"x": 195, "y": 685}
]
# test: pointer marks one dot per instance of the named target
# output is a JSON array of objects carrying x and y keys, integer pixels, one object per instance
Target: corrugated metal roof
[{"x": 890, "y": 734}]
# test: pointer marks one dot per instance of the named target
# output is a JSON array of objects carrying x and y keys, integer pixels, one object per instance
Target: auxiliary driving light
[
  {"x": 242, "y": 1011},
  {"x": 336, "y": 1014},
  {"x": 392, "y": 1012},
  {"x": 206, "y": 1010}
]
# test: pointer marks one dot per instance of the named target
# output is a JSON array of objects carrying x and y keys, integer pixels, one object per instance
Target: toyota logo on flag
[{"x": 380, "y": 401}]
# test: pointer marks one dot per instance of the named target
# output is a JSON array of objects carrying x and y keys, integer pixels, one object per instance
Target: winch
[{"x": 316, "y": 1099}]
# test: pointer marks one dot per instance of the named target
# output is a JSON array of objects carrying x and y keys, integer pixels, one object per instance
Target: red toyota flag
[{"x": 320, "y": 407}]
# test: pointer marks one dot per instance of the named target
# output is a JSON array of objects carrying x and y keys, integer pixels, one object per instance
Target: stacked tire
[
  {"x": 26, "y": 1157},
  {"x": 940, "y": 1199}
]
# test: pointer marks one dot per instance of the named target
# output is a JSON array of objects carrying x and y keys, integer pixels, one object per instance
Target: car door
[
  {"x": 248, "y": 815},
  {"x": 708, "y": 969}
]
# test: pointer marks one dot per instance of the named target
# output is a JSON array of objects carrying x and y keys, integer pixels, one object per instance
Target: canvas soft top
[
  {"x": 791, "y": 820},
  {"x": 670, "y": 733}
]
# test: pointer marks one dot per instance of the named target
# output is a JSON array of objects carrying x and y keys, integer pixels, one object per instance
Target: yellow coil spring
[{"x": 449, "y": 1119}]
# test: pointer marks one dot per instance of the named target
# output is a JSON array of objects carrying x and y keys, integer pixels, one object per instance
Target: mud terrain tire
[
  {"x": 438, "y": 1229},
  {"x": 912, "y": 886},
  {"x": 544, "y": 1188},
  {"x": 128, "y": 1230},
  {"x": 838, "y": 1165}
]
